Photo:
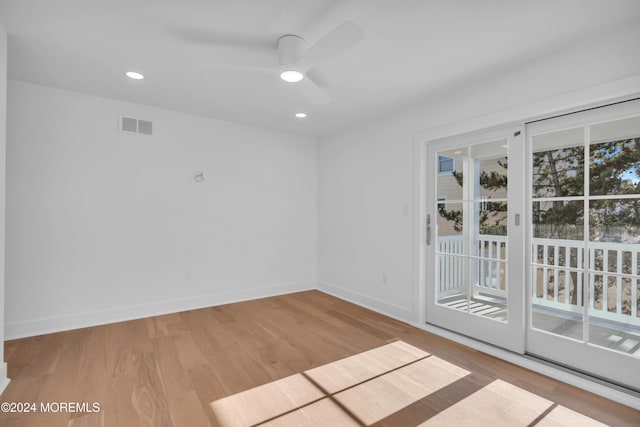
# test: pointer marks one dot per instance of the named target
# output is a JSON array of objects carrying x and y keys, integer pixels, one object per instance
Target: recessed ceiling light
[
  {"x": 504, "y": 146},
  {"x": 301, "y": 115},
  {"x": 291, "y": 76},
  {"x": 134, "y": 75},
  {"x": 457, "y": 152}
]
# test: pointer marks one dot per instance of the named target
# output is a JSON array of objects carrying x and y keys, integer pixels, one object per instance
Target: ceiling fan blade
[
  {"x": 313, "y": 92},
  {"x": 340, "y": 39}
]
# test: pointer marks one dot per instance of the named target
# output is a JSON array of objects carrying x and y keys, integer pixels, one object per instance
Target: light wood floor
[{"x": 169, "y": 370}]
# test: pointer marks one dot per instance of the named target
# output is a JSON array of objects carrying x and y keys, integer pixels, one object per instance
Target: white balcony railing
[
  {"x": 488, "y": 266},
  {"x": 613, "y": 282},
  {"x": 453, "y": 266}
]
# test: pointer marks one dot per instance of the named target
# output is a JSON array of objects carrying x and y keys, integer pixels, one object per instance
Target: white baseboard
[
  {"x": 401, "y": 313},
  {"x": 4, "y": 380},
  {"x": 82, "y": 320}
]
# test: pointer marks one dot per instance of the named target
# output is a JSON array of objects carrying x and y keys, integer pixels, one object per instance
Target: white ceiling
[{"x": 412, "y": 50}]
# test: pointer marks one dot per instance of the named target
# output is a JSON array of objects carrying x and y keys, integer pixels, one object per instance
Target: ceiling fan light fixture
[
  {"x": 134, "y": 75},
  {"x": 291, "y": 76}
]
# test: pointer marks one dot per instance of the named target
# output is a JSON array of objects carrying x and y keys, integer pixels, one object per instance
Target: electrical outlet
[
  {"x": 187, "y": 275},
  {"x": 385, "y": 278}
]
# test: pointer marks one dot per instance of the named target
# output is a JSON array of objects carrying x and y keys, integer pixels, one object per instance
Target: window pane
[
  {"x": 450, "y": 174},
  {"x": 614, "y": 158},
  {"x": 491, "y": 169},
  {"x": 492, "y": 217},
  {"x": 452, "y": 281},
  {"x": 615, "y": 220},
  {"x": 493, "y": 178},
  {"x": 558, "y": 220},
  {"x": 450, "y": 222},
  {"x": 558, "y": 164},
  {"x": 557, "y": 301}
]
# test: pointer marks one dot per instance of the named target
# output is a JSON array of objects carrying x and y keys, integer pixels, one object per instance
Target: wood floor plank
[
  {"x": 208, "y": 388},
  {"x": 149, "y": 401},
  {"x": 168, "y": 370},
  {"x": 184, "y": 406},
  {"x": 189, "y": 352},
  {"x": 92, "y": 373}
]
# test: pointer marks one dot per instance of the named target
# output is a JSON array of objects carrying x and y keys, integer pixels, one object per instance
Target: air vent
[
  {"x": 138, "y": 126},
  {"x": 129, "y": 125},
  {"x": 145, "y": 127}
]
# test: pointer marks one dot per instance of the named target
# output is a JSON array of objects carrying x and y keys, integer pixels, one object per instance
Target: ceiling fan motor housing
[{"x": 290, "y": 48}]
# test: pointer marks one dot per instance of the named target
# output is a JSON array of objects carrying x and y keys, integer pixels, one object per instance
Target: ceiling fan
[{"x": 295, "y": 59}]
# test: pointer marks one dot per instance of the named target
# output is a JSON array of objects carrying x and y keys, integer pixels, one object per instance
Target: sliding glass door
[
  {"x": 584, "y": 177},
  {"x": 533, "y": 242},
  {"x": 475, "y": 238}
]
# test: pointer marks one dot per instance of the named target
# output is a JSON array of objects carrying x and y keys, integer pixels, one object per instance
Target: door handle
[{"x": 428, "y": 229}]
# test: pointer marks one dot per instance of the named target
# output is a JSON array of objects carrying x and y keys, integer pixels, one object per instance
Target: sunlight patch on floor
[
  {"x": 365, "y": 387},
  {"x": 371, "y": 386}
]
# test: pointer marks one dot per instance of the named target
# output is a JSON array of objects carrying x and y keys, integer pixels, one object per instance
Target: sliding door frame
[
  {"x": 508, "y": 335},
  {"x": 575, "y": 354}
]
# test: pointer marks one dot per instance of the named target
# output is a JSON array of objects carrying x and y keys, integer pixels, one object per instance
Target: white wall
[
  {"x": 103, "y": 226},
  {"x": 3, "y": 144},
  {"x": 366, "y": 174}
]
